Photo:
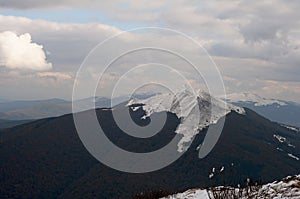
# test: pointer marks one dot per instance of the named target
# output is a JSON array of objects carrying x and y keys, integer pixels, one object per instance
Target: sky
[{"x": 254, "y": 46}]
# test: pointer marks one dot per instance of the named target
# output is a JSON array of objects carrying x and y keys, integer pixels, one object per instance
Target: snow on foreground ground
[{"x": 289, "y": 187}]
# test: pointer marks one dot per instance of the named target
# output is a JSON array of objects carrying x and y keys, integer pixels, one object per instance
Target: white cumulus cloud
[{"x": 20, "y": 52}]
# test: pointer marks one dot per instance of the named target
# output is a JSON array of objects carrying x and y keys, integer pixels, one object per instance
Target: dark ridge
[{"x": 46, "y": 159}]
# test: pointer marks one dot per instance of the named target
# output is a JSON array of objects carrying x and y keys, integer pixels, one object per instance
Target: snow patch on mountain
[
  {"x": 251, "y": 97},
  {"x": 290, "y": 145},
  {"x": 279, "y": 149},
  {"x": 293, "y": 156},
  {"x": 290, "y": 127},
  {"x": 196, "y": 111},
  {"x": 279, "y": 138}
]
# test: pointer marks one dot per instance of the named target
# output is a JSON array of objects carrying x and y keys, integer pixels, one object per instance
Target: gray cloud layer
[{"x": 255, "y": 41}]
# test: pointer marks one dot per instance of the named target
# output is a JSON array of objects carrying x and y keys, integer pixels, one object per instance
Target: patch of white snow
[
  {"x": 279, "y": 138},
  {"x": 293, "y": 156}
]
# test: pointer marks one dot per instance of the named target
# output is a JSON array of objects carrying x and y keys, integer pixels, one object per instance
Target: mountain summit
[{"x": 196, "y": 111}]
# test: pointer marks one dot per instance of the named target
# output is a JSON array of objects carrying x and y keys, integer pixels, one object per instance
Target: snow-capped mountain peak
[
  {"x": 251, "y": 97},
  {"x": 196, "y": 110}
]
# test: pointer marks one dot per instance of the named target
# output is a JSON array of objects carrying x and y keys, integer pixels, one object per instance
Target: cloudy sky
[{"x": 255, "y": 44}]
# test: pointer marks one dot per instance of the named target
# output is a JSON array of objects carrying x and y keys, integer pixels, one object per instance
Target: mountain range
[
  {"x": 281, "y": 111},
  {"x": 284, "y": 112},
  {"x": 46, "y": 158},
  {"x": 38, "y": 109}
]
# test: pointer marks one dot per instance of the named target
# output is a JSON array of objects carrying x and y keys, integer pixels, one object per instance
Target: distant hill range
[
  {"x": 280, "y": 111},
  {"x": 37, "y": 109}
]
